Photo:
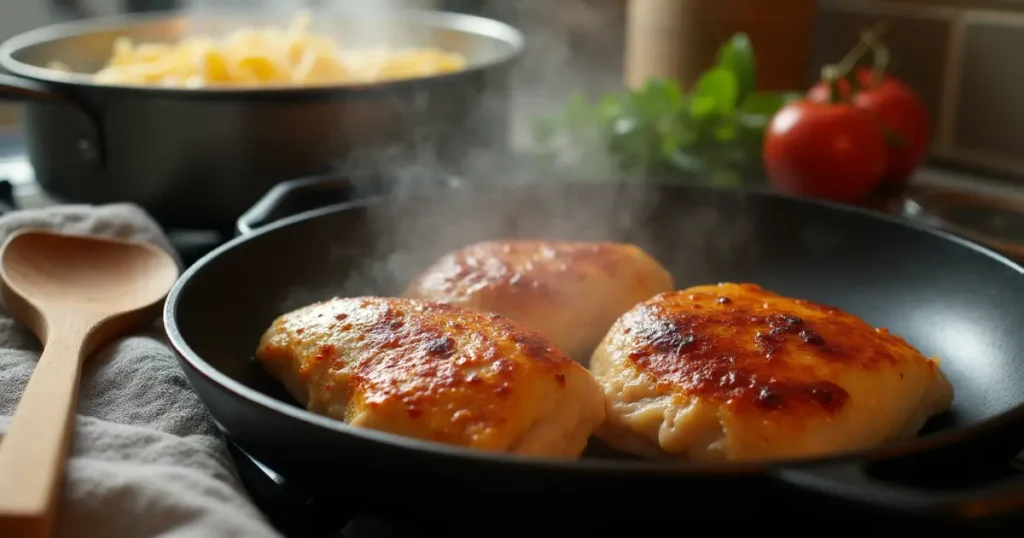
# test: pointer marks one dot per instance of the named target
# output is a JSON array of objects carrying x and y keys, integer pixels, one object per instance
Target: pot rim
[{"x": 460, "y": 22}]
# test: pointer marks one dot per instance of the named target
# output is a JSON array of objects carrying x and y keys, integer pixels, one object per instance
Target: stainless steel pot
[{"x": 200, "y": 157}]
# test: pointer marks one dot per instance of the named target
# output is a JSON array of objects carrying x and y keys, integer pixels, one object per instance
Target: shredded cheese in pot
[{"x": 256, "y": 56}]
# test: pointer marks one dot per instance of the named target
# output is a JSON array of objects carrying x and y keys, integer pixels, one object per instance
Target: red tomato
[
  {"x": 831, "y": 151},
  {"x": 900, "y": 111}
]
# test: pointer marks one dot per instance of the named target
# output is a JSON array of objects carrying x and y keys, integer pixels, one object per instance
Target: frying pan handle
[
  {"x": 293, "y": 197},
  {"x": 304, "y": 195},
  {"x": 995, "y": 503},
  {"x": 90, "y": 143}
]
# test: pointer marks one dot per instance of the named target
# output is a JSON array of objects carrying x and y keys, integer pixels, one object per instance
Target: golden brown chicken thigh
[
  {"x": 435, "y": 372},
  {"x": 739, "y": 373},
  {"x": 569, "y": 291}
]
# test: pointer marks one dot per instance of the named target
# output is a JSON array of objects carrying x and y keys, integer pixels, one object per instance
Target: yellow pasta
[{"x": 258, "y": 56}]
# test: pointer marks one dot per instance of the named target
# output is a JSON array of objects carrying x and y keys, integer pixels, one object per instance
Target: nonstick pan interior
[{"x": 945, "y": 296}]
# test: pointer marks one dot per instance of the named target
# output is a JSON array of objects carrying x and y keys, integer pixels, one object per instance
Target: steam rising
[{"x": 570, "y": 45}]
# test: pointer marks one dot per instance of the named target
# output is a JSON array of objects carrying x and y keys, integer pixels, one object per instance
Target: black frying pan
[{"x": 947, "y": 296}]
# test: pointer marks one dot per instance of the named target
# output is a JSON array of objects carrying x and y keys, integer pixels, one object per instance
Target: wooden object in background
[
  {"x": 679, "y": 38},
  {"x": 76, "y": 293}
]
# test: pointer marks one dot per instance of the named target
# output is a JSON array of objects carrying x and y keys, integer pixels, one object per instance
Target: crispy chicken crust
[
  {"x": 435, "y": 372},
  {"x": 737, "y": 372}
]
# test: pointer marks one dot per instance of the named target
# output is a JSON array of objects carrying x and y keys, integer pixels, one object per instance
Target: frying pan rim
[{"x": 270, "y": 404}]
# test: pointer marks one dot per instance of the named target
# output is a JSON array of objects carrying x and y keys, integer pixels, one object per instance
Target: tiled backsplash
[{"x": 959, "y": 54}]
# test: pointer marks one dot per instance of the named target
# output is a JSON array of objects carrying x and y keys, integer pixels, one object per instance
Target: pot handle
[
  {"x": 994, "y": 502},
  {"x": 293, "y": 197},
  {"x": 21, "y": 90}
]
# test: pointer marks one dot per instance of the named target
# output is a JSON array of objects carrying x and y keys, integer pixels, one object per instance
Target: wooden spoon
[{"x": 76, "y": 293}]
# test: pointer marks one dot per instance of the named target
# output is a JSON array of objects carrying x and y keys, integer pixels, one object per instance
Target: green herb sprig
[{"x": 711, "y": 135}]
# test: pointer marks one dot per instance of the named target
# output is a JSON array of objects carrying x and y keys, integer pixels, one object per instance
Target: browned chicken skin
[
  {"x": 736, "y": 372},
  {"x": 435, "y": 372},
  {"x": 569, "y": 291}
]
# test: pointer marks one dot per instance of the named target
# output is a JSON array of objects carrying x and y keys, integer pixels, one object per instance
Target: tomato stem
[
  {"x": 870, "y": 40},
  {"x": 854, "y": 82},
  {"x": 852, "y": 57},
  {"x": 880, "y": 53},
  {"x": 866, "y": 43},
  {"x": 831, "y": 75}
]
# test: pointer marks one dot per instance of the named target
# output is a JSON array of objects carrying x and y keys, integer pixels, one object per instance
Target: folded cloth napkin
[{"x": 147, "y": 459}]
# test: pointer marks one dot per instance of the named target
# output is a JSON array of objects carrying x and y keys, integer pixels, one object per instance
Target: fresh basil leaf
[
  {"x": 610, "y": 108},
  {"x": 737, "y": 55},
  {"x": 674, "y": 136},
  {"x": 714, "y": 93},
  {"x": 762, "y": 103},
  {"x": 669, "y": 144},
  {"x": 630, "y": 141},
  {"x": 688, "y": 162},
  {"x": 658, "y": 98},
  {"x": 624, "y": 126},
  {"x": 683, "y": 131},
  {"x": 725, "y": 132},
  {"x": 711, "y": 134},
  {"x": 754, "y": 122}
]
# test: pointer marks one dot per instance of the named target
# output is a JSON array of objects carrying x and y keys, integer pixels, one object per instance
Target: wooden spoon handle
[{"x": 32, "y": 453}]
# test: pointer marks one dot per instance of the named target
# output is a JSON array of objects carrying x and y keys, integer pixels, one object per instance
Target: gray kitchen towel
[{"x": 147, "y": 460}]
